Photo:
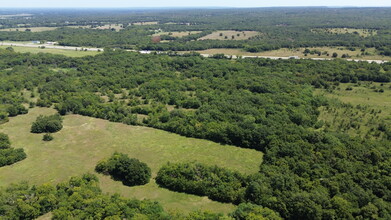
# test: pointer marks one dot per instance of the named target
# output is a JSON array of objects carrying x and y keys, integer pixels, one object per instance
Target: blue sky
[{"x": 184, "y": 3}]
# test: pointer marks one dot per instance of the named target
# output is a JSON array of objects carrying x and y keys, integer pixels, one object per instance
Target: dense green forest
[
  {"x": 277, "y": 27},
  {"x": 308, "y": 172}
]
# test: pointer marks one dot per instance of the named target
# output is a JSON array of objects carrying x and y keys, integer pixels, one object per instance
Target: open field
[
  {"x": 230, "y": 35},
  {"x": 15, "y": 15},
  {"x": 32, "y": 29},
  {"x": 375, "y": 107},
  {"x": 84, "y": 141},
  {"x": 177, "y": 33},
  {"x": 361, "y": 32},
  {"x": 70, "y": 53},
  {"x": 117, "y": 27},
  {"x": 145, "y": 23},
  {"x": 285, "y": 52}
]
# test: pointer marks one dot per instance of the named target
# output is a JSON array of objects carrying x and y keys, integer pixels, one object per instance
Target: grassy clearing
[
  {"x": 177, "y": 33},
  {"x": 70, "y": 53},
  {"x": 366, "y": 110},
  {"x": 32, "y": 29},
  {"x": 360, "y": 32},
  {"x": 285, "y": 52},
  {"x": 145, "y": 23},
  {"x": 117, "y": 27},
  {"x": 230, "y": 35},
  {"x": 84, "y": 141}
]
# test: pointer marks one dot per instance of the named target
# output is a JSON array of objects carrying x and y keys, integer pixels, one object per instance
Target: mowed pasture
[
  {"x": 32, "y": 29},
  {"x": 84, "y": 141},
  {"x": 230, "y": 35},
  {"x": 360, "y": 32},
  {"x": 70, "y": 53}
]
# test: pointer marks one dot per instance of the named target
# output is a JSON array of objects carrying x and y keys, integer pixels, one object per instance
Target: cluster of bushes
[
  {"x": 9, "y": 155},
  {"x": 217, "y": 183},
  {"x": 79, "y": 198},
  {"x": 16, "y": 109},
  {"x": 130, "y": 171},
  {"x": 47, "y": 124}
]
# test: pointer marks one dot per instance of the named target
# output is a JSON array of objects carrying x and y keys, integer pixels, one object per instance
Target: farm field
[
  {"x": 230, "y": 35},
  {"x": 70, "y": 53},
  {"x": 84, "y": 141},
  {"x": 32, "y": 29},
  {"x": 285, "y": 52}
]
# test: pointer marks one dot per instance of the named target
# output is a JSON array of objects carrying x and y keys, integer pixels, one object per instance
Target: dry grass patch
[
  {"x": 230, "y": 35},
  {"x": 177, "y": 33},
  {"x": 65, "y": 52},
  {"x": 32, "y": 29},
  {"x": 285, "y": 52}
]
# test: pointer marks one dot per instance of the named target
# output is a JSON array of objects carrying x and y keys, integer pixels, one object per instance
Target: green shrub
[
  {"x": 9, "y": 155},
  {"x": 47, "y": 124},
  {"x": 47, "y": 137},
  {"x": 15, "y": 110},
  {"x": 4, "y": 141},
  {"x": 130, "y": 171}
]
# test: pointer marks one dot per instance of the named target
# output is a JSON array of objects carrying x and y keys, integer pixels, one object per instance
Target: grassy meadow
[
  {"x": 227, "y": 35},
  {"x": 84, "y": 141},
  {"x": 32, "y": 29},
  {"x": 177, "y": 33},
  {"x": 360, "y": 32},
  {"x": 366, "y": 109}
]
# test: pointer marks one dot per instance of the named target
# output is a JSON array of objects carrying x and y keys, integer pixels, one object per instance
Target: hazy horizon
[{"x": 189, "y": 4}]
